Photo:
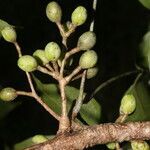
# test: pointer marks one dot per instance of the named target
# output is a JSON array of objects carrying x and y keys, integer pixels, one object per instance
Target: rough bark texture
[{"x": 97, "y": 134}]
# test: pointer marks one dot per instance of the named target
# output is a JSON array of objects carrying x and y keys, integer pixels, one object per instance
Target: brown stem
[
  {"x": 23, "y": 93},
  {"x": 18, "y": 48},
  {"x": 64, "y": 124},
  {"x": 97, "y": 134},
  {"x": 67, "y": 55},
  {"x": 44, "y": 70},
  {"x": 74, "y": 72},
  {"x": 55, "y": 65},
  {"x": 79, "y": 101},
  {"x": 48, "y": 66}
]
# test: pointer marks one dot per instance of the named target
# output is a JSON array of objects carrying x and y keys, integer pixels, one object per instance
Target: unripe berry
[
  {"x": 9, "y": 34},
  {"x": 39, "y": 139},
  {"x": 128, "y": 104},
  {"x": 27, "y": 63},
  {"x": 91, "y": 72},
  {"x": 111, "y": 145},
  {"x": 88, "y": 59},
  {"x": 139, "y": 145},
  {"x": 40, "y": 56},
  {"x": 54, "y": 12},
  {"x": 87, "y": 40},
  {"x": 79, "y": 16},
  {"x": 8, "y": 94},
  {"x": 52, "y": 51}
]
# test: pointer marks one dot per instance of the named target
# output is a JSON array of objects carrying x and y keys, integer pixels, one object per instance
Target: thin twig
[
  {"x": 45, "y": 71},
  {"x": 67, "y": 55},
  {"x": 79, "y": 101},
  {"x": 55, "y": 65},
  {"x": 106, "y": 83},
  {"x": 48, "y": 66},
  {"x": 18, "y": 48},
  {"x": 23, "y": 93},
  {"x": 33, "y": 92},
  {"x": 47, "y": 108},
  {"x": 74, "y": 72},
  {"x": 77, "y": 77}
]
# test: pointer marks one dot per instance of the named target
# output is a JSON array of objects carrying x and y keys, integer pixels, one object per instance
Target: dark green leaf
[
  {"x": 32, "y": 141},
  {"x": 145, "y": 3},
  {"x": 142, "y": 96},
  {"x": 6, "y": 107},
  {"x": 90, "y": 112}
]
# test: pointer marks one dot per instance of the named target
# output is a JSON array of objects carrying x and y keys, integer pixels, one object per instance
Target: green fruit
[
  {"x": 27, "y": 63},
  {"x": 88, "y": 59},
  {"x": 52, "y": 51},
  {"x": 40, "y": 56},
  {"x": 54, "y": 12},
  {"x": 79, "y": 16},
  {"x": 91, "y": 72},
  {"x": 128, "y": 104},
  {"x": 140, "y": 145},
  {"x": 8, "y": 94},
  {"x": 87, "y": 40},
  {"x": 111, "y": 145},
  {"x": 145, "y": 3},
  {"x": 9, "y": 34}
]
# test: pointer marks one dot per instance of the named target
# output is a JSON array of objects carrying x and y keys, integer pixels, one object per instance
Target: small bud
[
  {"x": 111, "y": 145},
  {"x": 139, "y": 145},
  {"x": 91, "y": 72},
  {"x": 39, "y": 139},
  {"x": 52, "y": 51},
  {"x": 8, "y": 94},
  {"x": 79, "y": 16},
  {"x": 40, "y": 56},
  {"x": 9, "y": 34},
  {"x": 88, "y": 59},
  {"x": 27, "y": 63},
  {"x": 87, "y": 40},
  {"x": 128, "y": 104},
  {"x": 54, "y": 12}
]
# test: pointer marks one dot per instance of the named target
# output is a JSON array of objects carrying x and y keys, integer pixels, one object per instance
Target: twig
[
  {"x": 67, "y": 55},
  {"x": 18, "y": 48},
  {"x": 74, "y": 72},
  {"x": 77, "y": 77},
  {"x": 44, "y": 70},
  {"x": 23, "y": 93},
  {"x": 48, "y": 66},
  {"x": 55, "y": 65},
  {"x": 65, "y": 34},
  {"x": 93, "y": 22},
  {"x": 97, "y": 134},
  {"x": 79, "y": 101},
  {"x": 106, "y": 83},
  {"x": 33, "y": 92}
]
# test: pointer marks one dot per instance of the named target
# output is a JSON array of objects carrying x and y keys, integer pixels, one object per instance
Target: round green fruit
[
  {"x": 111, "y": 145},
  {"x": 54, "y": 12},
  {"x": 8, "y": 94},
  {"x": 128, "y": 104},
  {"x": 140, "y": 145},
  {"x": 91, "y": 72},
  {"x": 79, "y": 16},
  {"x": 88, "y": 59},
  {"x": 87, "y": 40},
  {"x": 27, "y": 63},
  {"x": 9, "y": 34},
  {"x": 52, "y": 51},
  {"x": 40, "y": 56}
]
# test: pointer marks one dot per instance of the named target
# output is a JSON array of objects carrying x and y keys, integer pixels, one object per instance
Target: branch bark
[{"x": 97, "y": 134}]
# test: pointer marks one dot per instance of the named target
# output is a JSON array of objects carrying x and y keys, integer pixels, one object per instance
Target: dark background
[{"x": 120, "y": 25}]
